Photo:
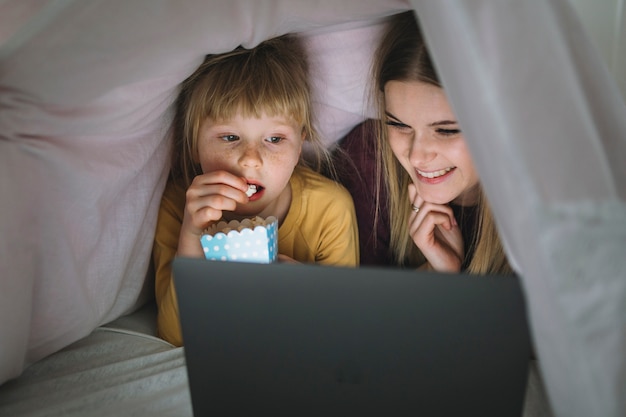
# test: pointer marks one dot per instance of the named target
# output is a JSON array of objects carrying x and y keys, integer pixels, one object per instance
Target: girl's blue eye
[
  {"x": 274, "y": 139},
  {"x": 229, "y": 138}
]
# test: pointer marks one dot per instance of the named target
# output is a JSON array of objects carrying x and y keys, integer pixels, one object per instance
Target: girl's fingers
[
  {"x": 219, "y": 183},
  {"x": 435, "y": 231},
  {"x": 218, "y": 196},
  {"x": 212, "y": 193},
  {"x": 425, "y": 224},
  {"x": 207, "y": 215},
  {"x": 286, "y": 259},
  {"x": 418, "y": 205},
  {"x": 439, "y": 241},
  {"x": 222, "y": 177},
  {"x": 415, "y": 199},
  {"x": 425, "y": 209}
]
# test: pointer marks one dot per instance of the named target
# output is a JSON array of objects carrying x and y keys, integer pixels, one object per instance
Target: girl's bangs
[{"x": 224, "y": 104}]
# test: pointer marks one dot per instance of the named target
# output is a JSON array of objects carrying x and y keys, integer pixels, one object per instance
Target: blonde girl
[
  {"x": 438, "y": 214},
  {"x": 242, "y": 119}
]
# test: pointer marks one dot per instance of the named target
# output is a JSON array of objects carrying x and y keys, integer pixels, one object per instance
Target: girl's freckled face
[{"x": 263, "y": 150}]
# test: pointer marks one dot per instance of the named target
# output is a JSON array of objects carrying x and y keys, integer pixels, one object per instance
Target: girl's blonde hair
[
  {"x": 270, "y": 79},
  {"x": 402, "y": 56}
]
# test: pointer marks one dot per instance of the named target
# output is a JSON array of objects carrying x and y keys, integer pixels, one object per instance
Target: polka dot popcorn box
[{"x": 251, "y": 240}]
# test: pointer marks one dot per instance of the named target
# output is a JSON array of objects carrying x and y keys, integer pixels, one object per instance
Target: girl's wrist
[
  {"x": 189, "y": 246},
  {"x": 426, "y": 266}
]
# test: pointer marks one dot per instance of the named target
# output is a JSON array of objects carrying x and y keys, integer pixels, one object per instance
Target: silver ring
[{"x": 415, "y": 208}]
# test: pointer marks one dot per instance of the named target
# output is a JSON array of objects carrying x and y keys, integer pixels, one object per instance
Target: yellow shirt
[{"x": 320, "y": 227}]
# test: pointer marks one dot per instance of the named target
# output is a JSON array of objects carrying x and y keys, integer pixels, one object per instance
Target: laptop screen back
[{"x": 315, "y": 340}]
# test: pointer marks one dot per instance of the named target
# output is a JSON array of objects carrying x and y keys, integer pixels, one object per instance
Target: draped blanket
[{"x": 86, "y": 93}]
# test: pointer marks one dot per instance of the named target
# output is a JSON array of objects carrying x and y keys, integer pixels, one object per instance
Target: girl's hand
[
  {"x": 436, "y": 233},
  {"x": 284, "y": 259},
  {"x": 207, "y": 197}
]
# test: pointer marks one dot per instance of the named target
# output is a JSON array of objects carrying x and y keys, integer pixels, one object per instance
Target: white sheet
[
  {"x": 85, "y": 92},
  {"x": 547, "y": 126}
]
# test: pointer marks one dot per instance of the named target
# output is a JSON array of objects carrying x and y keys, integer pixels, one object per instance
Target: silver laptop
[{"x": 311, "y": 340}]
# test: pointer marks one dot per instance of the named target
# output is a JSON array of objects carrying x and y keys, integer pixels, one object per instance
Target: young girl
[
  {"x": 242, "y": 119},
  {"x": 439, "y": 217}
]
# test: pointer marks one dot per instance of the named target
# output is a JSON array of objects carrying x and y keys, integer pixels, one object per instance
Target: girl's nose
[
  {"x": 422, "y": 149},
  {"x": 251, "y": 156}
]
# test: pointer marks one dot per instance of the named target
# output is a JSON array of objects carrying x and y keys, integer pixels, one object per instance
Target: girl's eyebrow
[
  {"x": 392, "y": 116},
  {"x": 443, "y": 123},
  {"x": 396, "y": 120},
  {"x": 434, "y": 124}
]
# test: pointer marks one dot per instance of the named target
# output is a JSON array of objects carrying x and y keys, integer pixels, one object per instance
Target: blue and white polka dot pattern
[{"x": 258, "y": 245}]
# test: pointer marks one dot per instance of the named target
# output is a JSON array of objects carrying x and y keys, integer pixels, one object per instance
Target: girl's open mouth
[{"x": 254, "y": 191}]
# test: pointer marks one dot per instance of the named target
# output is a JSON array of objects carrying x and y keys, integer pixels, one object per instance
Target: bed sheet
[
  {"x": 111, "y": 372},
  {"x": 122, "y": 369}
]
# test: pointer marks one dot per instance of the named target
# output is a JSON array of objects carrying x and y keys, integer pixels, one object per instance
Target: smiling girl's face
[
  {"x": 426, "y": 139},
  {"x": 262, "y": 150}
]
